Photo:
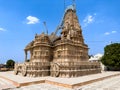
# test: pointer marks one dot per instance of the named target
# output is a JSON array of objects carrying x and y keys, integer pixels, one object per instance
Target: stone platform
[{"x": 20, "y": 81}]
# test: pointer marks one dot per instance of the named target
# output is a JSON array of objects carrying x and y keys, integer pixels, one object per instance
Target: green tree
[
  {"x": 10, "y": 63},
  {"x": 111, "y": 56}
]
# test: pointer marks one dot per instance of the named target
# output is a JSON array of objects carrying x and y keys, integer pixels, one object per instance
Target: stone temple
[{"x": 59, "y": 56}]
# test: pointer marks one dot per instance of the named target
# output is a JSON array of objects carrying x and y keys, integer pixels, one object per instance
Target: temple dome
[{"x": 42, "y": 38}]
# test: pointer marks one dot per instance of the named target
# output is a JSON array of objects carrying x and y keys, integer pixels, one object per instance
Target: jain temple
[{"x": 59, "y": 56}]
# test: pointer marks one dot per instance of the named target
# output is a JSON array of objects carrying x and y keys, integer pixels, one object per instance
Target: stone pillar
[
  {"x": 31, "y": 54},
  {"x": 25, "y": 55}
]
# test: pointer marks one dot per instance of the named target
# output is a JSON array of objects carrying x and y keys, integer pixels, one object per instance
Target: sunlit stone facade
[{"x": 63, "y": 56}]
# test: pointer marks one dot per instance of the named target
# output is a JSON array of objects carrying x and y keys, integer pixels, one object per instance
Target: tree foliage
[
  {"x": 10, "y": 63},
  {"x": 111, "y": 56}
]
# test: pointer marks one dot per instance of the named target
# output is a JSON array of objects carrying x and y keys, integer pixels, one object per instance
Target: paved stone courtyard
[
  {"x": 112, "y": 83},
  {"x": 107, "y": 84}
]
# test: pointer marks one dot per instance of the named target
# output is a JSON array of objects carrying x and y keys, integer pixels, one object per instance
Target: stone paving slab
[
  {"x": 42, "y": 86},
  {"x": 19, "y": 81},
  {"x": 4, "y": 84}
]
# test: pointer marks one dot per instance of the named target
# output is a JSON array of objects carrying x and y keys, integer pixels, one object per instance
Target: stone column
[
  {"x": 25, "y": 55},
  {"x": 31, "y": 54}
]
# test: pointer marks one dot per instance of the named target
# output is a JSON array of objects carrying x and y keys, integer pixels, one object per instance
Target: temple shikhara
[{"x": 59, "y": 56}]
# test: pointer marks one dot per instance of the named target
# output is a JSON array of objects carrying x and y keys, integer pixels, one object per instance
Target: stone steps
[
  {"x": 4, "y": 84},
  {"x": 107, "y": 84}
]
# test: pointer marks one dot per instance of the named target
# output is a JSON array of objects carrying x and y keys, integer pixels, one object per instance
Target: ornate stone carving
[
  {"x": 24, "y": 70},
  {"x": 55, "y": 70},
  {"x": 16, "y": 69}
]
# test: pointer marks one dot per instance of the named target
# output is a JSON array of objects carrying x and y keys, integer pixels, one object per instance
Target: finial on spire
[{"x": 73, "y": 4}]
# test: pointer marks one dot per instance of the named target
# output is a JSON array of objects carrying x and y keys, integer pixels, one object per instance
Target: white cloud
[
  {"x": 89, "y": 19},
  {"x": 106, "y": 33},
  {"x": 114, "y": 32},
  {"x": 32, "y": 20},
  {"x": 2, "y": 29}
]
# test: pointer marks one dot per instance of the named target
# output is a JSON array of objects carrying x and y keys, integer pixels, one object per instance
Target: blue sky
[{"x": 20, "y": 20}]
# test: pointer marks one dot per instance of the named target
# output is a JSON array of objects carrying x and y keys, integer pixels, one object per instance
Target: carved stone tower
[{"x": 70, "y": 51}]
